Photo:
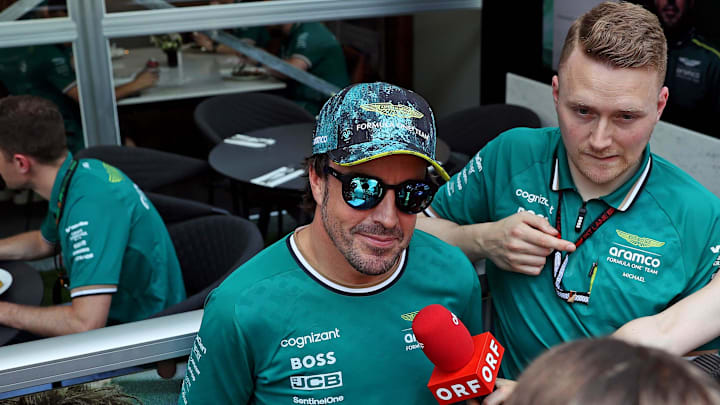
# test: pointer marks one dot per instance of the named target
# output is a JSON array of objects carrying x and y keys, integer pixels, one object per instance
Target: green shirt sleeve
[
  {"x": 220, "y": 366},
  {"x": 466, "y": 197},
  {"x": 311, "y": 46},
  {"x": 48, "y": 229},
  {"x": 472, "y": 316},
  {"x": 58, "y": 69},
  {"x": 94, "y": 241}
]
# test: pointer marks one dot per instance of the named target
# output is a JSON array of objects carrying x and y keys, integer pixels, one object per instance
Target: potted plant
[{"x": 170, "y": 44}]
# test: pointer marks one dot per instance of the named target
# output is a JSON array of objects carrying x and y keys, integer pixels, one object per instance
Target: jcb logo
[{"x": 316, "y": 382}]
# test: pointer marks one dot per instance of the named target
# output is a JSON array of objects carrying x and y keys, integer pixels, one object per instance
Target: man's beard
[{"x": 373, "y": 265}]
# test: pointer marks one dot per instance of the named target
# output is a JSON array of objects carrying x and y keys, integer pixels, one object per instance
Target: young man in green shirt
[
  {"x": 325, "y": 314},
  {"x": 119, "y": 258},
  {"x": 584, "y": 228}
]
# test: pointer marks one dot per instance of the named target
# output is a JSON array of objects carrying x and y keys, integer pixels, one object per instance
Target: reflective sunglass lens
[
  {"x": 414, "y": 197},
  {"x": 362, "y": 193}
]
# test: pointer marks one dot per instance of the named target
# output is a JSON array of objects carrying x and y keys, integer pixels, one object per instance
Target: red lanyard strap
[
  {"x": 560, "y": 263},
  {"x": 601, "y": 219}
]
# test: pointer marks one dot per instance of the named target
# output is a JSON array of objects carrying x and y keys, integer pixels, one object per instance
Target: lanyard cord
[
  {"x": 62, "y": 195},
  {"x": 63, "y": 280},
  {"x": 560, "y": 263}
]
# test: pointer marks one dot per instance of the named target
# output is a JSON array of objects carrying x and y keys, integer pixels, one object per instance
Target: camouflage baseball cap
[{"x": 367, "y": 121}]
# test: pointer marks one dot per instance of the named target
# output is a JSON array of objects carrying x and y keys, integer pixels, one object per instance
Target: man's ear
[
  {"x": 22, "y": 163},
  {"x": 317, "y": 184},
  {"x": 556, "y": 89}
]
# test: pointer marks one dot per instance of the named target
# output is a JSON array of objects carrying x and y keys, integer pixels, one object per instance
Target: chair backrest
[
  {"x": 148, "y": 168},
  {"x": 175, "y": 209},
  {"x": 467, "y": 131},
  {"x": 223, "y": 116},
  {"x": 209, "y": 249}
]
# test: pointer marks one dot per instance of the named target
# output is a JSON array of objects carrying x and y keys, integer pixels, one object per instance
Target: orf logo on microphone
[{"x": 476, "y": 379}]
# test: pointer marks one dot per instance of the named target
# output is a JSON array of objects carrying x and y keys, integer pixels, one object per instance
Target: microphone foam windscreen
[{"x": 446, "y": 341}]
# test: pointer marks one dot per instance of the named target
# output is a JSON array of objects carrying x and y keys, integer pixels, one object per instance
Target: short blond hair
[{"x": 622, "y": 34}]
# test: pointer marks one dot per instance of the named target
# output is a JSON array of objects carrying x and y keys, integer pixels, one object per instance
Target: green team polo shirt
[
  {"x": 317, "y": 46},
  {"x": 661, "y": 245},
  {"x": 110, "y": 234},
  {"x": 693, "y": 77},
  {"x": 258, "y": 36},
  {"x": 44, "y": 71},
  {"x": 277, "y": 332}
]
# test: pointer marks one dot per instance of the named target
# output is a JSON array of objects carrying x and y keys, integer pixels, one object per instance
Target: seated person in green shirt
[
  {"x": 583, "y": 227},
  {"x": 325, "y": 314},
  {"x": 313, "y": 48},
  {"x": 120, "y": 261},
  {"x": 310, "y": 47},
  {"x": 48, "y": 71}
]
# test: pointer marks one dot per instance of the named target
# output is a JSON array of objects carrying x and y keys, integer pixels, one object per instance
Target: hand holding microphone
[{"x": 465, "y": 366}]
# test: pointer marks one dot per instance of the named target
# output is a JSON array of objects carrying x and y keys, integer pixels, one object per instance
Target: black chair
[
  {"x": 223, "y": 116},
  {"x": 150, "y": 169},
  {"x": 209, "y": 249},
  {"x": 174, "y": 209},
  {"x": 467, "y": 131}
]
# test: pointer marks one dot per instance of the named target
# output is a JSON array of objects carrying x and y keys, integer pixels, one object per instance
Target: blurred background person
[
  {"x": 310, "y": 47},
  {"x": 693, "y": 70},
  {"x": 48, "y": 71}
]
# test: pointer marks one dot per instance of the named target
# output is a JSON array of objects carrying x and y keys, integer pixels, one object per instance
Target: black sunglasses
[{"x": 365, "y": 192}]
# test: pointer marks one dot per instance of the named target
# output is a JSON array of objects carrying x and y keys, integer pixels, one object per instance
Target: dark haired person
[
  {"x": 120, "y": 261},
  {"x": 325, "y": 314}
]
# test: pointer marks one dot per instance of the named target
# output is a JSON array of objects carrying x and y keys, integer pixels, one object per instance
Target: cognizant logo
[
  {"x": 312, "y": 337},
  {"x": 635, "y": 257},
  {"x": 532, "y": 198}
]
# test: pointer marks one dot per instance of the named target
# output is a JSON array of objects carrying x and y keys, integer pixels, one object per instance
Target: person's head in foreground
[
  {"x": 608, "y": 91},
  {"x": 369, "y": 177},
  {"x": 613, "y": 372}
]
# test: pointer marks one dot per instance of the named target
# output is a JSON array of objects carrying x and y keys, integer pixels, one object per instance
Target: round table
[
  {"x": 26, "y": 289},
  {"x": 293, "y": 143},
  {"x": 252, "y": 168}
]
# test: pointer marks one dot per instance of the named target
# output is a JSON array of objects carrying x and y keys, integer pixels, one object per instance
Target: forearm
[
  {"x": 467, "y": 237},
  {"x": 126, "y": 89},
  {"x": 683, "y": 327},
  {"x": 44, "y": 321},
  {"x": 25, "y": 246},
  {"x": 646, "y": 331}
]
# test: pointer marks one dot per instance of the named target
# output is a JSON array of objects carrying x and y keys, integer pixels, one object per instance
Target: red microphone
[{"x": 465, "y": 366}]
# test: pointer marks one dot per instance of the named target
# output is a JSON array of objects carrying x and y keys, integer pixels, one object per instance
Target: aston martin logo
[
  {"x": 409, "y": 316},
  {"x": 638, "y": 241},
  {"x": 114, "y": 175},
  {"x": 393, "y": 110}
]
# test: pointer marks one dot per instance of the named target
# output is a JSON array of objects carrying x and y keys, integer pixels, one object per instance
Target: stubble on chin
[{"x": 368, "y": 260}]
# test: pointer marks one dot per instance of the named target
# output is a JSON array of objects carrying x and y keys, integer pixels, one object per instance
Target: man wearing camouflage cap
[{"x": 324, "y": 315}]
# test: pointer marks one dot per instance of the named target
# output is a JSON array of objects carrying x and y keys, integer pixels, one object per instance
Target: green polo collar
[
  {"x": 58, "y": 182},
  {"x": 621, "y": 199}
]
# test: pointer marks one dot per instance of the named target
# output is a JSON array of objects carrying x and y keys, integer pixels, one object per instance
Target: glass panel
[
  {"x": 32, "y": 9},
  {"x": 119, "y": 6},
  {"x": 205, "y": 67},
  {"x": 46, "y": 71}
]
